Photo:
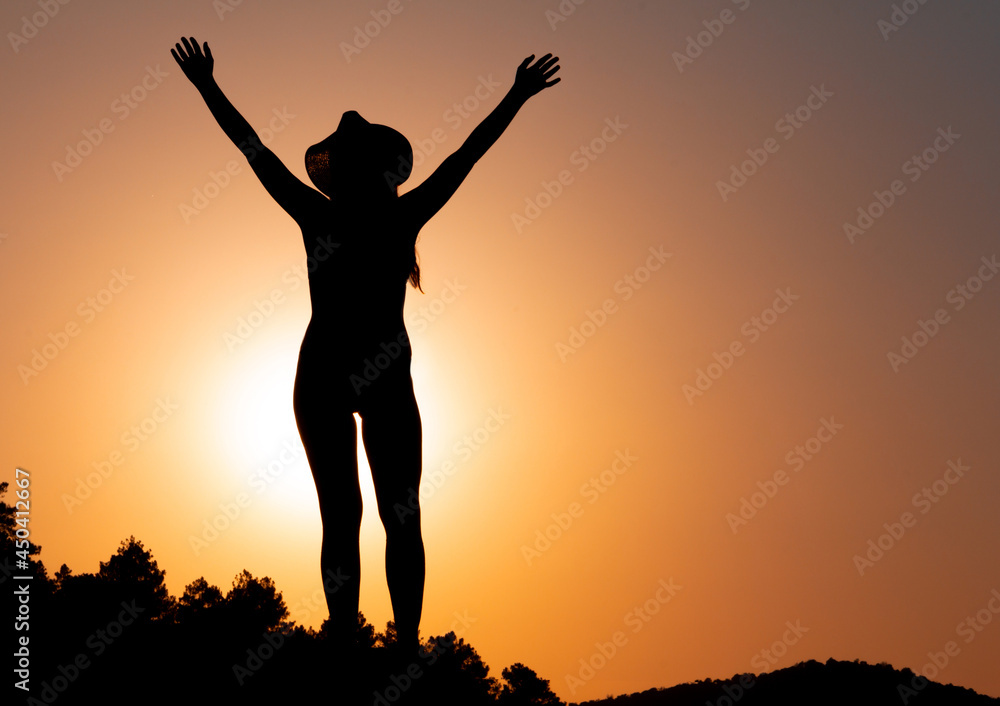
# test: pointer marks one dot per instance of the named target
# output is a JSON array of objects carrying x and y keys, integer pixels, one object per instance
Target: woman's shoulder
[{"x": 387, "y": 223}]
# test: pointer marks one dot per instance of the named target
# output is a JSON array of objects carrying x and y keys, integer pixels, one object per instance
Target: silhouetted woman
[{"x": 355, "y": 355}]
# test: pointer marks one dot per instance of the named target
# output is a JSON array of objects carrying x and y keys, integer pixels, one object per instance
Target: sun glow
[
  {"x": 255, "y": 415},
  {"x": 258, "y": 434},
  {"x": 256, "y": 428}
]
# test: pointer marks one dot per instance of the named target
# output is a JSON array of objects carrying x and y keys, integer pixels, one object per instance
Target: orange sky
[{"x": 664, "y": 352}]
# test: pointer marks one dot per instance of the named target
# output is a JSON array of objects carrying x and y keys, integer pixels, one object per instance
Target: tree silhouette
[
  {"x": 200, "y": 607},
  {"x": 456, "y": 672},
  {"x": 14, "y": 550},
  {"x": 256, "y": 604},
  {"x": 132, "y": 574},
  {"x": 199, "y": 596},
  {"x": 9, "y": 524},
  {"x": 388, "y": 638},
  {"x": 63, "y": 573},
  {"x": 525, "y": 688}
]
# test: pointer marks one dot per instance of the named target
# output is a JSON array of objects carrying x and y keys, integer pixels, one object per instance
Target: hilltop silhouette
[
  {"x": 810, "y": 683},
  {"x": 117, "y": 636}
]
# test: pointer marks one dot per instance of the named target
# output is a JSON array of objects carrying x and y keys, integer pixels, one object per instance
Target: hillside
[{"x": 809, "y": 684}]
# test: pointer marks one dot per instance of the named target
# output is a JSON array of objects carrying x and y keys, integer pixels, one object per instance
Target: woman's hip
[{"x": 333, "y": 382}]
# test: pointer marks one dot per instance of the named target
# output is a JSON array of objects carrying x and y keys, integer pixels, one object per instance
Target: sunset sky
[{"x": 714, "y": 319}]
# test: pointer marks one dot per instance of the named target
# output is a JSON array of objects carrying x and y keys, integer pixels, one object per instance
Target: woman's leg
[
  {"x": 392, "y": 436},
  {"x": 329, "y": 435}
]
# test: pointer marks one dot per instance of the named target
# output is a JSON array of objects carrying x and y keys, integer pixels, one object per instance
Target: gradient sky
[{"x": 700, "y": 373}]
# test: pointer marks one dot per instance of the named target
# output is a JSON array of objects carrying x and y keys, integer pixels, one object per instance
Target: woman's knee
[
  {"x": 340, "y": 507},
  {"x": 340, "y": 512},
  {"x": 406, "y": 530}
]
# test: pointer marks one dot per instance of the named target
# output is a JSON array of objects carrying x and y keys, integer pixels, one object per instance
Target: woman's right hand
[
  {"x": 195, "y": 64},
  {"x": 530, "y": 80}
]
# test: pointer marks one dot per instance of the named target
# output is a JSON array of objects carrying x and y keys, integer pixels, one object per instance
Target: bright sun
[
  {"x": 259, "y": 439},
  {"x": 258, "y": 432}
]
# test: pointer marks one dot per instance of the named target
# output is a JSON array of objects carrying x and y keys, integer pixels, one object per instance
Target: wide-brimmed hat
[{"x": 376, "y": 149}]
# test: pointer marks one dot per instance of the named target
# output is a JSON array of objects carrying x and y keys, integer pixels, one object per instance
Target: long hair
[{"x": 415, "y": 272}]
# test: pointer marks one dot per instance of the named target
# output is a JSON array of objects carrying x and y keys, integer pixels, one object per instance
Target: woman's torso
[{"x": 358, "y": 262}]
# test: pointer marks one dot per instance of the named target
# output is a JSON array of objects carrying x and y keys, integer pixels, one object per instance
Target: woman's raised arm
[
  {"x": 291, "y": 194},
  {"x": 426, "y": 199}
]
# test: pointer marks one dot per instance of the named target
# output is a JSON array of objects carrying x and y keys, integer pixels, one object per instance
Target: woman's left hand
[{"x": 531, "y": 80}]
